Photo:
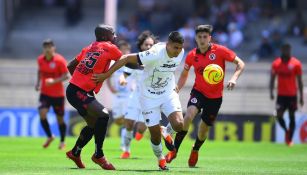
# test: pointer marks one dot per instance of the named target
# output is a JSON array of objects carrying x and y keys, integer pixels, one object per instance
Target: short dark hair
[
  {"x": 176, "y": 37},
  {"x": 143, "y": 36},
  {"x": 48, "y": 41},
  {"x": 104, "y": 32},
  {"x": 204, "y": 28},
  {"x": 121, "y": 43}
]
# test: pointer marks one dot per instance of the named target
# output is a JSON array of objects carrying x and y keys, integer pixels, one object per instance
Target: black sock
[
  {"x": 179, "y": 138},
  {"x": 45, "y": 125},
  {"x": 282, "y": 123},
  {"x": 198, "y": 144},
  {"x": 85, "y": 136},
  {"x": 62, "y": 128},
  {"x": 291, "y": 127},
  {"x": 100, "y": 133}
]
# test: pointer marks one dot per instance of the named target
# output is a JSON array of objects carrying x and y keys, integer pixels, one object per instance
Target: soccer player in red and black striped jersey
[
  {"x": 52, "y": 72},
  {"x": 93, "y": 59},
  {"x": 288, "y": 70},
  {"x": 204, "y": 97}
]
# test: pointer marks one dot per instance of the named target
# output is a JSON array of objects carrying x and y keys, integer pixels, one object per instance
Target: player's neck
[
  {"x": 204, "y": 49},
  {"x": 49, "y": 57}
]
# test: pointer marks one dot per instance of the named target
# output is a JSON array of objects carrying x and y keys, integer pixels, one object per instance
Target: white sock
[
  {"x": 128, "y": 138},
  {"x": 157, "y": 149},
  {"x": 122, "y": 136},
  {"x": 169, "y": 129}
]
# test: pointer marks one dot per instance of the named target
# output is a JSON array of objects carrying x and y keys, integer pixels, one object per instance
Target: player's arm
[
  {"x": 71, "y": 66},
  {"x": 51, "y": 81},
  {"x": 37, "y": 85},
  {"x": 183, "y": 78},
  {"x": 300, "y": 88},
  {"x": 239, "y": 69},
  {"x": 130, "y": 58},
  {"x": 272, "y": 85}
]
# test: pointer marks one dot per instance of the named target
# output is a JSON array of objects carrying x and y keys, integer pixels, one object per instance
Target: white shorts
[
  {"x": 134, "y": 111},
  {"x": 152, "y": 108},
  {"x": 119, "y": 106}
]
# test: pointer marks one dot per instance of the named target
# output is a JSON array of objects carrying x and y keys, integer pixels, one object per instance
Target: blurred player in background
[
  {"x": 93, "y": 59},
  {"x": 133, "y": 116},
  {"x": 51, "y": 73},
  {"x": 120, "y": 92},
  {"x": 157, "y": 88},
  {"x": 204, "y": 97},
  {"x": 288, "y": 70}
]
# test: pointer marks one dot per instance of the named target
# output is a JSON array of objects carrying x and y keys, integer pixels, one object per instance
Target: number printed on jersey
[{"x": 86, "y": 66}]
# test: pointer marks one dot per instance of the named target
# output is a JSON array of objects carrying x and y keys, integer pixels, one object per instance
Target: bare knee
[{"x": 178, "y": 125}]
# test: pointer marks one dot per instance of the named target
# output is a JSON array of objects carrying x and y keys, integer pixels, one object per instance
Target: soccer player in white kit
[
  {"x": 133, "y": 116},
  {"x": 157, "y": 88}
]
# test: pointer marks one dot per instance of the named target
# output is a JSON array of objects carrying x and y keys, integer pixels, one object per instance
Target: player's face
[
  {"x": 147, "y": 44},
  {"x": 49, "y": 49},
  {"x": 125, "y": 49},
  {"x": 173, "y": 49},
  {"x": 203, "y": 39}
]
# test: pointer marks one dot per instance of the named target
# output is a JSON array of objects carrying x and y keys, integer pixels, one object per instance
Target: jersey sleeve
[
  {"x": 149, "y": 57},
  {"x": 228, "y": 54},
  {"x": 63, "y": 66},
  {"x": 188, "y": 60},
  {"x": 273, "y": 68},
  {"x": 81, "y": 55},
  {"x": 115, "y": 53},
  {"x": 298, "y": 69}
]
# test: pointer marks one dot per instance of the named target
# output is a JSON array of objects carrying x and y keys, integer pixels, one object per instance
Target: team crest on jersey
[
  {"x": 212, "y": 56},
  {"x": 194, "y": 100},
  {"x": 52, "y": 65}
]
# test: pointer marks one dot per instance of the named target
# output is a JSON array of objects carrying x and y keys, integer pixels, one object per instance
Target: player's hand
[
  {"x": 98, "y": 78},
  {"x": 37, "y": 87},
  {"x": 176, "y": 89},
  {"x": 49, "y": 81},
  {"x": 231, "y": 84},
  {"x": 272, "y": 96}
]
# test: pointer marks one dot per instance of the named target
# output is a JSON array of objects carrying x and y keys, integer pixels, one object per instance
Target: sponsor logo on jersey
[
  {"x": 52, "y": 65},
  {"x": 194, "y": 100},
  {"x": 169, "y": 65}
]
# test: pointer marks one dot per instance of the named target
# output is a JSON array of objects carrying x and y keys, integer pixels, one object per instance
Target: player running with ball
[{"x": 204, "y": 97}]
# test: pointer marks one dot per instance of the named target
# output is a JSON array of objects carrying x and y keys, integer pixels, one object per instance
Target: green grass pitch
[{"x": 26, "y": 156}]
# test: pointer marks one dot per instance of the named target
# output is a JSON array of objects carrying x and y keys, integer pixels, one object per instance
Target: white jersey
[
  {"x": 121, "y": 90},
  {"x": 158, "y": 78}
]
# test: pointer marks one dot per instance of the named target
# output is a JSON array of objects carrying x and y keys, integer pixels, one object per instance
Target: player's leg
[
  {"x": 292, "y": 108},
  {"x": 140, "y": 130},
  {"x": 152, "y": 120},
  {"x": 208, "y": 117},
  {"x": 58, "y": 108},
  {"x": 100, "y": 113},
  {"x": 127, "y": 137},
  {"x": 118, "y": 118},
  {"x": 280, "y": 110},
  {"x": 43, "y": 110}
]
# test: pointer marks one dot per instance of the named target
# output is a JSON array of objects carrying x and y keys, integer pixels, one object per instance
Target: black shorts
[
  {"x": 79, "y": 98},
  {"x": 209, "y": 106},
  {"x": 57, "y": 103},
  {"x": 286, "y": 102}
]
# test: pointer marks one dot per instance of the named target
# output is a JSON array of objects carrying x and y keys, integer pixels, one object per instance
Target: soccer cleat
[
  {"x": 287, "y": 137},
  {"x": 62, "y": 146},
  {"x": 162, "y": 165},
  {"x": 290, "y": 144},
  {"x": 125, "y": 155},
  {"x": 138, "y": 136},
  {"x": 170, "y": 156},
  {"x": 168, "y": 140},
  {"x": 193, "y": 158},
  {"x": 103, "y": 163},
  {"x": 48, "y": 141},
  {"x": 77, "y": 160}
]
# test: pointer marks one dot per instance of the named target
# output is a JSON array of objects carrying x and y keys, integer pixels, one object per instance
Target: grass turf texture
[{"x": 26, "y": 156}]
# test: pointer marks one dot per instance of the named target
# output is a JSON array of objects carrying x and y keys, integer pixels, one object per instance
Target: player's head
[
  {"x": 146, "y": 40},
  {"x": 124, "y": 46},
  {"x": 203, "y": 35},
  {"x": 104, "y": 32},
  {"x": 48, "y": 47},
  {"x": 174, "y": 44},
  {"x": 286, "y": 51}
]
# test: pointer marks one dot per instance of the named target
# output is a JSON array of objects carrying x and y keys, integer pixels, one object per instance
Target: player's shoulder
[
  {"x": 192, "y": 52},
  {"x": 296, "y": 61},
  {"x": 276, "y": 61},
  {"x": 41, "y": 57},
  {"x": 158, "y": 47},
  {"x": 219, "y": 47}
]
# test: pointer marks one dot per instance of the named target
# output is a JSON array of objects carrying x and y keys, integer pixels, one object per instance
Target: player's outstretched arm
[
  {"x": 71, "y": 66},
  {"x": 272, "y": 84},
  {"x": 37, "y": 85},
  {"x": 239, "y": 69},
  {"x": 182, "y": 79},
  {"x": 129, "y": 58},
  {"x": 300, "y": 88}
]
